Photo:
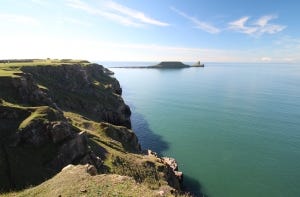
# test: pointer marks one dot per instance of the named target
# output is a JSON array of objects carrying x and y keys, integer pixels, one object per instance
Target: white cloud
[
  {"x": 199, "y": 24},
  {"x": 134, "y": 14},
  {"x": 239, "y": 25},
  {"x": 259, "y": 27},
  {"x": 117, "y": 12},
  {"x": 20, "y": 19}
]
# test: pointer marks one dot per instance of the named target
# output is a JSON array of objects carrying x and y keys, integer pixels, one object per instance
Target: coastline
[{"x": 62, "y": 97}]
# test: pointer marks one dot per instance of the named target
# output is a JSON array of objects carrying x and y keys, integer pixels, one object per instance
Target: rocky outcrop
[
  {"x": 128, "y": 138},
  {"x": 53, "y": 116},
  {"x": 24, "y": 90},
  {"x": 170, "y": 169},
  {"x": 39, "y": 142},
  {"x": 171, "y": 162},
  {"x": 87, "y": 90}
]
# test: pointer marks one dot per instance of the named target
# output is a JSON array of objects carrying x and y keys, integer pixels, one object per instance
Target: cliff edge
[{"x": 65, "y": 131}]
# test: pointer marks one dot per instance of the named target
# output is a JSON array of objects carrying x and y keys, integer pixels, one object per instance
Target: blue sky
[{"x": 156, "y": 30}]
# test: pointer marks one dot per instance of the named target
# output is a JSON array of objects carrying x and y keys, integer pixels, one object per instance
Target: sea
[{"x": 233, "y": 128}]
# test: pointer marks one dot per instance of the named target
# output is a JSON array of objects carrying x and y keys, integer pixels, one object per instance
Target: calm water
[{"x": 233, "y": 128}]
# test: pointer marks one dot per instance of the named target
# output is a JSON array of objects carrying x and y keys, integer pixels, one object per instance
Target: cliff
[{"x": 62, "y": 112}]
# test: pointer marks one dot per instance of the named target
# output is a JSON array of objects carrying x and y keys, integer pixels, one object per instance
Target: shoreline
[{"x": 60, "y": 102}]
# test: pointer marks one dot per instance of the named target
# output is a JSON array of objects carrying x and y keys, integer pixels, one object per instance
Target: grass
[
  {"x": 40, "y": 62},
  {"x": 119, "y": 158},
  {"x": 127, "y": 173},
  {"x": 74, "y": 181},
  {"x": 9, "y": 73},
  {"x": 11, "y": 68},
  {"x": 44, "y": 113},
  {"x": 23, "y": 165}
]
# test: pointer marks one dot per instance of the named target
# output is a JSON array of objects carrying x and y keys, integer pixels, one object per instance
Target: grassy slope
[
  {"x": 74, "y": 181},
  {"x": 25, "y": 157},
  {"x": 147, "y": 174}
]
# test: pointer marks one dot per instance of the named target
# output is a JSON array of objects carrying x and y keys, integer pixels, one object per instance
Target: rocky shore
[{"x": 56, "y": 115}]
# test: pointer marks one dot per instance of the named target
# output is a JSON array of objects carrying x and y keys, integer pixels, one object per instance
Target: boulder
[
  {"x": 59, "y": 131},
  {"x": 91, "y": 170}
]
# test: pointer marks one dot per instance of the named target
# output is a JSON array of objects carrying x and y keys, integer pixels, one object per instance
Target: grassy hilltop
[{"x": 54, "y": 113}]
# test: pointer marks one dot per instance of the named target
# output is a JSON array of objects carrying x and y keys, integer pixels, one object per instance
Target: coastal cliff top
[{"x": 59, "y": 112}]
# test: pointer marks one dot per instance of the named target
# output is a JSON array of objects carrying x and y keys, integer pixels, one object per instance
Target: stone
[
  {"x": 91, "y": 170},
  {"x": 59, "y": 131},
  {"x": 171, "y": 162},
  {"x": 74, "y": 148}
]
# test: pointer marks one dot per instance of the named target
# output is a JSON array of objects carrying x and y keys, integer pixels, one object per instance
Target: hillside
[{"x": 54, "y": 113}]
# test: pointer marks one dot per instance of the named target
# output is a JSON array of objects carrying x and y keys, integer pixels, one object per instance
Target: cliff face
[
  {"x": 87, "y": 90},
  {"x": 55, "y": 115}
]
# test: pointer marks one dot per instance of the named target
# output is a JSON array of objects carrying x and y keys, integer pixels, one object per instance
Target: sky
[{"x": 264, "y": 31}]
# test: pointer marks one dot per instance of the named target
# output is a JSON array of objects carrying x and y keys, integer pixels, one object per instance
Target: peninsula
[
  {"x": 166, "y": 65},
  {"x": 66, "y": 131}
]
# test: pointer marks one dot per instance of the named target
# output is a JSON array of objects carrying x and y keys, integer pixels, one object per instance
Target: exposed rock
[
  {"x": 170, "y": 168},
  {"x": 73, "y": 149},
  {"x": 28, "y": 92},
  {"x": 123, "y": 135},
  {"x": 43, "y": 141},
  {"x": 92, "y": 159},
  {"x": 171, "y": 162},
  {"x": 91, "y": 170},
  {"x": 59, "y": 131},
  {"x": 88, "y": 83},
  {"x": 70, "y": 166},
  {"x": 35, "y": 133},
  {"x": 174, "y": 166}
]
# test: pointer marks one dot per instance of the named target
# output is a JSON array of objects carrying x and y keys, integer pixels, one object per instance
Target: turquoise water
[{"x": 233, "y": 128}]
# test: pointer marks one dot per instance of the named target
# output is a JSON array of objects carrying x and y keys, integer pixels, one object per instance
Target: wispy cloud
[
  {"x": 259, "y": 27},
  {"x": 198, "y": 23},
  {"x": 134, "y": 14},
  {"x": 20, "y": 19},
  {"x": 117, "y": 12}
]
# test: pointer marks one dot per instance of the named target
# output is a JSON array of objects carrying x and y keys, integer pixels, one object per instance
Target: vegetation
[
  {"x": 84, "y": 100},
  {"x": 75, "y": 182}
]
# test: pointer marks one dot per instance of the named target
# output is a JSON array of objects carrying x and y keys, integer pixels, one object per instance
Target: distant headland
[{"x": 166, "y": 65}]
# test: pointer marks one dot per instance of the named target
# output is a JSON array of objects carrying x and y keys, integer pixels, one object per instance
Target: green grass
[
  {"x": 23, "y": 165},
  {"x": 138, "y": 175},
  {"x": 8, "y": 73},
  {"x": 12, "y": 67},
  {"x": 118, "y": 158},
  {"x": 44, "y": 113},
  {"x": 41, "y": 62},
  {"x": 74, "y": 181}
]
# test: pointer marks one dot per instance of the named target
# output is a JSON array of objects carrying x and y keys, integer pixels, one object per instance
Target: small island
[
  {"x": 166, "y": 65},
  {"x": 170, "y": 65}
]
